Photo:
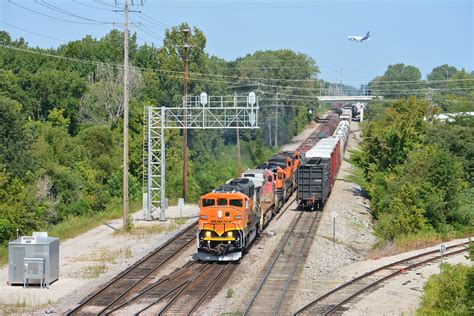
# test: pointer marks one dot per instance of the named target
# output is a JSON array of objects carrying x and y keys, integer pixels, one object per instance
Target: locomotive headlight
[
  {"x": 229, "y": 234},
  {"x": 208, "y": 234},
  {"x": 203, "y": 217},
  {"x": 238, "y": 217}
]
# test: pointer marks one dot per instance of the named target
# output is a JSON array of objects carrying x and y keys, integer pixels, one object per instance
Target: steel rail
[
  {"x": 179, "y": 288},
  {"x": 151, "y": 287},
  {"x": 286, "y": 208},
  {"x": 267, "y": 273},
  {"x": 365, "y": 275},
  {"x": 133, "y": 267},
  {"x": 203, "y": 296},
  {"x": 290, "y": 277},
  {"x": 336, "y": 307},
  {"x": 191, "y": 280}
]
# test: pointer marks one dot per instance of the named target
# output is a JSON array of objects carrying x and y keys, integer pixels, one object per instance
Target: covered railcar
[{"x": 317, "y": 175}]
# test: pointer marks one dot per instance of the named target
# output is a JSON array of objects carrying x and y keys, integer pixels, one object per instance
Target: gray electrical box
[{"x": 33, "y": 260}]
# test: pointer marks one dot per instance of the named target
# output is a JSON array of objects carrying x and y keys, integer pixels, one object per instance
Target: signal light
[
  {"x": 229, "y": 234},
  {"x": 208, "y": 234}
]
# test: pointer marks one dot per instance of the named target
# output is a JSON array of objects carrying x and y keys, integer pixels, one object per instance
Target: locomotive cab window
[
  {"x": 280, "y": 176},
  {"x": 221, "y": 201},
  {"x": 208, "y": 202},
  {"x": 289, "y": 163},
  {"x": 270, "y": 179},
  {"x": 236, "y": 202}
]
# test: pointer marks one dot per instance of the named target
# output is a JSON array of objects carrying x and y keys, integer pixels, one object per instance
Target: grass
[
  {"x": 91, "y": 272},
  {"x": 20, "y": 306},
  {"x": 146, "y": 231},
  {"x": 106, "y": 256},
  {"x": 414, "y": 241},
  {"x": 74, "y": 226}
]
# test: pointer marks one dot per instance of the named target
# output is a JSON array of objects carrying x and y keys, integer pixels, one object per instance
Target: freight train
[{"x": 232, "y": 215}]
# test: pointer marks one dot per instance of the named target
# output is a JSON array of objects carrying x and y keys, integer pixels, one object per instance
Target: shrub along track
[
  {"x": 137, "y": 276},
  {"x": 336, "y": 300},
  {"x": 272, "y": 291}
]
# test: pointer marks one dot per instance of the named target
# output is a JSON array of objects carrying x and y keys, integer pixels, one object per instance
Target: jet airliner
[{"x": 359, "y": 38}]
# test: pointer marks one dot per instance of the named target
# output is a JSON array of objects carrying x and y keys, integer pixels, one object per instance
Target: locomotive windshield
[
  {"x": 221, "y": 201},
  {"x": 236, "y": 202},
  {"x": 208, "y": 202}
]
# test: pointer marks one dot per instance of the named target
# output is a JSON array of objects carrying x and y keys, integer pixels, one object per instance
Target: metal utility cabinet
[{"x": 33, "y": 260}]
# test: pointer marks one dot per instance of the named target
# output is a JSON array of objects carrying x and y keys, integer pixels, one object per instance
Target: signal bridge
[
  {"x": 347, "y": 98},
  {"x": 201, "y": 112}
]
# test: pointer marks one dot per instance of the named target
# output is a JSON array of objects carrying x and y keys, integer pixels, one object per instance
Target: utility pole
[
  {"x": 185, "y": 105},
  {"x": 269, "y": 124},
  {"x": 239, "y": 164},
  {"x": 125, "y": 109},
  {"x": 125, "y": 121},
  {"x": 340, "y": 85},
  {"x": 276, "y": 121}
]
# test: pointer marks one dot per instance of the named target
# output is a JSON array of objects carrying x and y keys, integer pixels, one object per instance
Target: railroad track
[
  {"x": 136, "y": 277},
  {"x": 285, "y": 208},
  {"x": 273, "y": 288},
  {"x": 182, "y": 292},
  {"x": 336, "y": 300}
]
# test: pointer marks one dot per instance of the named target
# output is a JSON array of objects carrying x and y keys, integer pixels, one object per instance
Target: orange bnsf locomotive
[{"x": 228, "y": 221}]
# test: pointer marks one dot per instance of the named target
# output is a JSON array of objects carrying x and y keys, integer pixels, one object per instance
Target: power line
[
  {"x": 50, "y": 6},
  {"x": 34, "y": 33},
  {"x": 50, "y": 16},
  {"x": 90, "y": 6}
]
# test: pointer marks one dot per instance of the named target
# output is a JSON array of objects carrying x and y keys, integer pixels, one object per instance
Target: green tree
[{"x": 399, "y": 80}]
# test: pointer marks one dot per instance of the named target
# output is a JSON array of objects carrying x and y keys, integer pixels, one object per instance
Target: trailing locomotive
[{"x": 232, "y": 215}]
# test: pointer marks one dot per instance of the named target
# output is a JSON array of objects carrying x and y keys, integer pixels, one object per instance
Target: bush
[
  {"x": 446, "y": 293},
  {"x": 7, "y": 231}
]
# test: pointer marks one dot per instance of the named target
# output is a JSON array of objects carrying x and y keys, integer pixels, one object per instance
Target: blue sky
[{"x": 418, "y": 32}]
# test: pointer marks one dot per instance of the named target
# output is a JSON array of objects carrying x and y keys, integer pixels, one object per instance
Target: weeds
[
  {"x": 93, "y": 271},
  {"x": 106, "y": 256},
  {"x": 230, "y": 292},
  {"x": 180, "y": 220},
  {"x": 406, "y": 243},
  {"x": 146, "y": 231}
]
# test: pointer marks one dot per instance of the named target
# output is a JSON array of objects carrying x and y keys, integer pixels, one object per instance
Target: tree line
[{"x": 417, "y": 170}]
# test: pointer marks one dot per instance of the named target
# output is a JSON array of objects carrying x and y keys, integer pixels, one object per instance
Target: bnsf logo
[{"x": 220, "y": 221}]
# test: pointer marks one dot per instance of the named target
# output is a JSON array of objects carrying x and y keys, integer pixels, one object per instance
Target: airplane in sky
[{"x": 359, "y": 38}]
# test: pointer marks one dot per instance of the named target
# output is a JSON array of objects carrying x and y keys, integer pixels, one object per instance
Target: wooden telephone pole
[
  {"x": 125, "y": 121},
  {"x": 185, "y": 103}
]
